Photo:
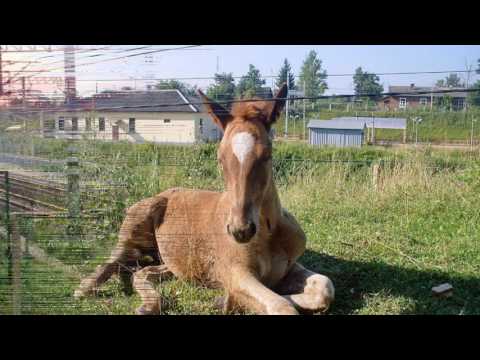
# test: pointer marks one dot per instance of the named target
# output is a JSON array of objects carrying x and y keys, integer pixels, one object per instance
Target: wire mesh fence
[
  {"x": 61, "y": 216},
  {"x": 385, "y": 221}
]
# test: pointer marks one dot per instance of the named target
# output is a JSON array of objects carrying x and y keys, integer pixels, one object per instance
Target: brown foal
[{"x": 241, "y": 239}]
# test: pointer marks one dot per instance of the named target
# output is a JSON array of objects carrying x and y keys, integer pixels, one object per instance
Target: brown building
[{"x": 408, "y": 99}]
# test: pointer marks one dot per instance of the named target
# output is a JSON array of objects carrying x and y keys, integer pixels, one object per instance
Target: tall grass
[
  {"x": 436, "y": 126},
  {"x": 383, "y": 247}
]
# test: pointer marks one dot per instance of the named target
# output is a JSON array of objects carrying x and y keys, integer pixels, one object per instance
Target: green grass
[
  {"x": 436, "y": 127},
  {"x": 384, "y": 250}
]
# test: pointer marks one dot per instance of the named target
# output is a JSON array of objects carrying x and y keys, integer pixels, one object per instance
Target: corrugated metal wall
[{"x": 336, "y": 137}]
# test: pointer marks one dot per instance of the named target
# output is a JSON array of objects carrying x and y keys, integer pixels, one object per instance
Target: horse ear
[
  {"x": 220, "y": 115},
  {"x": 276, "y": 106}
]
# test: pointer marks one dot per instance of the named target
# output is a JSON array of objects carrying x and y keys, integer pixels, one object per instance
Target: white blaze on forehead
[{"x": 242, "y": 145}]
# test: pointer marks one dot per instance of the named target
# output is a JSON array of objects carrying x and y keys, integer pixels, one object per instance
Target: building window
[
  {"x": 423, "y": 101},
  {"x": 88, "y": 124},
  {"x": 165, "y": 121},
  {"x": 201, "y": 126},
  {"x": 101, "y": 124},
  {"x": 403, "y": 103},
  {"x": 74, "y": 124},
  {"x": 61, "y": 124},
  {"x": 131, "y": 125},
  {"x": 458, "y": 103},
  {"x": 49, "y": 124}
]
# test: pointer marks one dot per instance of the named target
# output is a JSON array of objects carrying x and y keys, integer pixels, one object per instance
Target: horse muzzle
[{"x": 244, "y": 233}]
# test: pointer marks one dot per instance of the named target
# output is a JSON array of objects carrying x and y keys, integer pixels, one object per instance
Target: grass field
[
  {"x": 435, "y": 127},
  {"x": 383, "y": 249}
]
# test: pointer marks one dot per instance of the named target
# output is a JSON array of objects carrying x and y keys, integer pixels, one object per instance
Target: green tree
[
  {"x": 223, "y": 89},
  {"x": 250, "y": 84},
  {"x": 366, "y": 83},
  {"x": 284, "y": 73},
  {"x": 474, "y": 97},
  {"x": 451, "y": 81},
  {"x": 186, "y": 89},
  {"x": 312, "y": 75}
]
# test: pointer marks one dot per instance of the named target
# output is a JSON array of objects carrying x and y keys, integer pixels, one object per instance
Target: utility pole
[
  {"x": 304, "y": 121},
  {"x": 373, "y": 129},
  {"x": 431, "y": 100},
  {"x": 471, "y": 134},
  {"x": 273, "y": 79},
  {"x": 286, "y": 107},
  {"x": 1, "y": 73},
  {"x": 469, "y": 68}
]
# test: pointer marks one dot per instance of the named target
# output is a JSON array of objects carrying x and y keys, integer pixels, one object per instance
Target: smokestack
[
  {"x": 70, "y": 81},
  {"x": 1, "y": 72}
]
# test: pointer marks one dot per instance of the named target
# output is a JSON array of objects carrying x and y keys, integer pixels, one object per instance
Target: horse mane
[{"x": 252, "y": 110}]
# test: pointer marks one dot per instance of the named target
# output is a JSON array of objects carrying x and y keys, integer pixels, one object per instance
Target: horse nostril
[
  {"x": 243, "y": 234},
  {"x": 252, "y": 229}
]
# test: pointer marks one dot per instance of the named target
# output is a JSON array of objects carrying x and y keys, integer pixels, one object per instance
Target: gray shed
[
  {"x": 378, "y": 122},
  {"x": 339, "y": 133}
]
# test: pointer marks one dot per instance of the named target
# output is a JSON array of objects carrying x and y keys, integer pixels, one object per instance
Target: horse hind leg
[
  {"x": 144, "y": 282},
  {"x": 149, "y": 257},
  {"x": 116, "y": 264},
  {"x": 136, "y": 238}
]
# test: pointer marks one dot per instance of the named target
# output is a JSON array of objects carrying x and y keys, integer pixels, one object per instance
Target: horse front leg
[
  {"x": 250, "y": 294},
  {"x": 306, "y": 290},
  {"x": 144, "y": 282}
]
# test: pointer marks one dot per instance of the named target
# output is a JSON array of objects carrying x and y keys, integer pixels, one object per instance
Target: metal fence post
[
  {"x": 73, "y": 188},
  {"x": 29, "y": 236},
  {"x": 376, "y": 170},
  {"x": 16, "y": 268},
  {"x": 8, "y": 225}
]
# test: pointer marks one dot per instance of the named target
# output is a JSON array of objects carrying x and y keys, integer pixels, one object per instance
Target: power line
[
  {"x": 189, "y": 103},
  {"x": 263, "y": 77},
  {"x": 46, "y": 49},
  {"x": 275, "y": 76},
  {"x": 116, "y": 52},
  {"x": 17, "y": 73},
  {"x": 117, "y": 58}
]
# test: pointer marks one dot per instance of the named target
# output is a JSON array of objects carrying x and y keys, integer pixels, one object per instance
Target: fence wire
[{"x": 62, "y": 207}]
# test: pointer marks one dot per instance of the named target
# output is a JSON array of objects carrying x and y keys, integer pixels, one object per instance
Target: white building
[{"x": 162, "y": 116}]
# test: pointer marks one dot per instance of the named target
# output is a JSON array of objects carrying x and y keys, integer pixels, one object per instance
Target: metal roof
[
  {"x": 160, "y": 101},
  {"x": 336, "y": 124},
  {"x": 379, "y": 122},
  {"x": 410, "y": 91},
  {"x": 359, "y": 123}
]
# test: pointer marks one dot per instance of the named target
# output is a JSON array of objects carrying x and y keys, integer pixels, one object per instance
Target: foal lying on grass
[{"x": 241, "y": 239}]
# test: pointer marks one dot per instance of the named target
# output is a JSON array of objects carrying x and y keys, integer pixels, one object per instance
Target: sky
[{"x": 205, "y": 60}]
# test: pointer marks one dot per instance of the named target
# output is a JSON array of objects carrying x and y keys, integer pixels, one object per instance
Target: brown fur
[{"x": 241, "y": 240}]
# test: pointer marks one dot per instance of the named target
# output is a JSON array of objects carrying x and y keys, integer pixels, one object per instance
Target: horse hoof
[
  {"x": 79, "y": 294},
  {"x": 142, "y": 310},
  {"x": 219, "y": 303}
]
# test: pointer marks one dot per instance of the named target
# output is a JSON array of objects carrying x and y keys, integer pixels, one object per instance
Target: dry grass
[{"x": 383, "y": 248}]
